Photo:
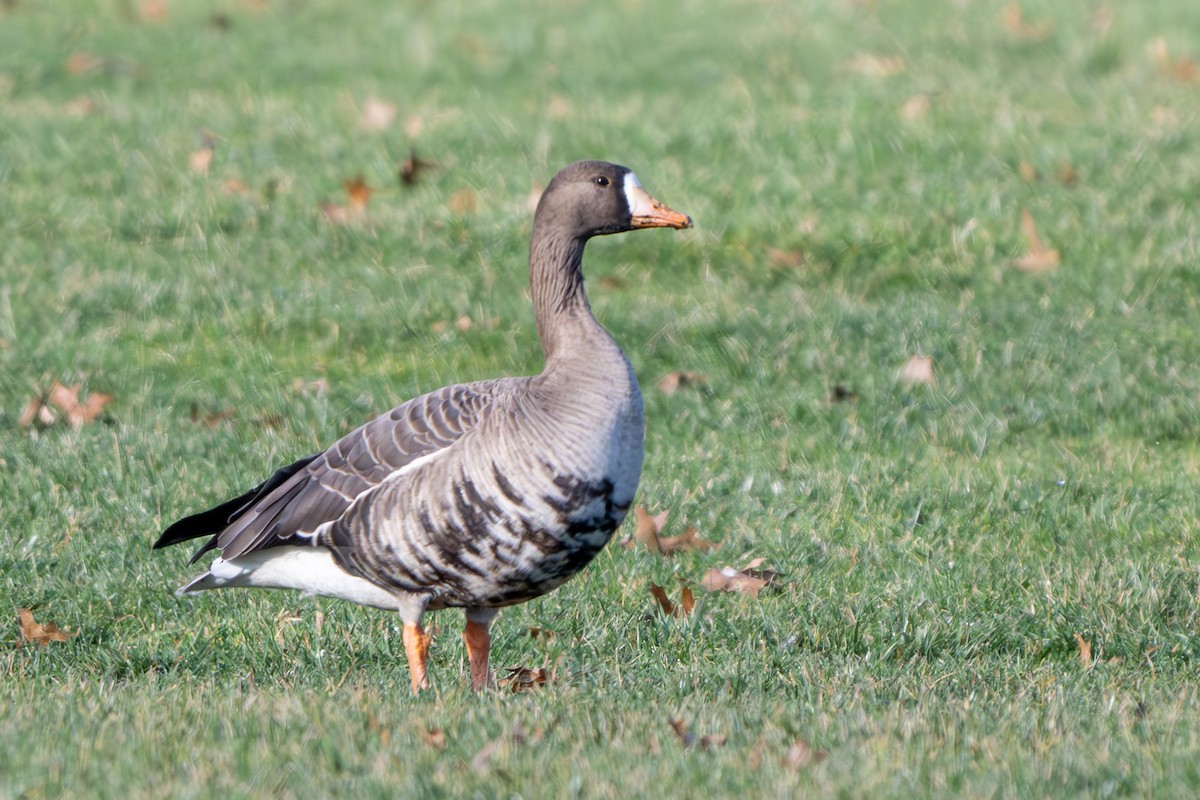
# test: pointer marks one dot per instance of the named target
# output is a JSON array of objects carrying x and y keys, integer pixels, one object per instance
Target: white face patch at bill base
[{"x": 632, "y": 184}]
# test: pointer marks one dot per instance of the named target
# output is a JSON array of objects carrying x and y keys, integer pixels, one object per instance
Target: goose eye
[{"x": 601, "y": 180}]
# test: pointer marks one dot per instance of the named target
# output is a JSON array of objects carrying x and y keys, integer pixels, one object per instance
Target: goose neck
[{"x": 560, "y": 305}]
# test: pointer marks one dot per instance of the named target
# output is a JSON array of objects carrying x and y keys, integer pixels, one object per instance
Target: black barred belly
[{"x": 479, "y": 552}]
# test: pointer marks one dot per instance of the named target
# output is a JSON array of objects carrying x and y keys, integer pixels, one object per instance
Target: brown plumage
[{"x": 477, "y": 495}]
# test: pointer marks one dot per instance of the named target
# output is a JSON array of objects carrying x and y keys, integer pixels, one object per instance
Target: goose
[{"x": 477, "y": 495}]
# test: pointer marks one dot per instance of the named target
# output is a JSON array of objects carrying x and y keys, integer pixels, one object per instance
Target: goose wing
[{"x": 297, "y": 499}]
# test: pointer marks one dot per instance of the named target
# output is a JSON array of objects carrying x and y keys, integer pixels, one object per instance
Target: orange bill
[{"x": 649, "y": 213}]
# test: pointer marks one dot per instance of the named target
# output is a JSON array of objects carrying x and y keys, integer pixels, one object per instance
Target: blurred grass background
[{"x": 176, "y": 234}]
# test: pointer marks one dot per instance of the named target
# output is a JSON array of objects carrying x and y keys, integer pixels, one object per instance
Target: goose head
[{"x": 595, "y": 198}]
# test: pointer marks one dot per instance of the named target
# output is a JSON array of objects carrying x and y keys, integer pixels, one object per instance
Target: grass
[{"x": 943, "y": 548}]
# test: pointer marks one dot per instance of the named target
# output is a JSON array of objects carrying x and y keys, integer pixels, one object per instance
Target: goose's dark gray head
[{"x": 592, "y": 198}]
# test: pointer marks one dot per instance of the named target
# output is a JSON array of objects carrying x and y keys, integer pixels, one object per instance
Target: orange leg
[
  {"x": 479, "y": 645},
  {"x": 416, "y": 647}
]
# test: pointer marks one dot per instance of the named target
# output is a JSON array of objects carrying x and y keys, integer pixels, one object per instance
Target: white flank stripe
[{"x": 311, "y": 570}]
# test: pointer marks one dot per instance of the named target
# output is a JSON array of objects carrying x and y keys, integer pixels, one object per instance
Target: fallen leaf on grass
[
  {"x": 787, "y": 259},
  {"x": 1028, "y": 172},
  {"x": 1040, "y": 257},
  {"x": 153, "y": 10},
  {"x": 200, "y": 160},
  {"x": 672, "y": 382},
  {"x": 32, "y": 631},
  {"x": 915, "y": 108},
  {"x": 377, "y": 115},
  {"x": 801, "y": 754},
  {"x": 358, "y": 193},
  {"x": 842, "y": 394},
  {"x": 435, "y": 738},
  {"x": 918, "y": 369},
  {"x": 464, "y": 201},
  {"x": 79, "y": 106},
  {"x": 709, "y": 741},
  {"x": 1067, "y": 175},
  {"x": 749, "y": 580},
  {"x": 688, "y": 541},
  {"x": 1085, "y": 651},
  {"x": 412, "y": 167},
  {"x": 522, "y": 679},
  {"x": 1014, "y": 22},
  {"x": 80, "y": 62},
  {"x": 210, "y": 418},
  {"x": 481, "y": 763},
  {"x": 875, "y": 66},
  {"x": 381, "y": 730},
  {"x": 687, "y": 603},
  {"x": 647, "y": 531},
  {"x": 1184, "y": 70},
  {"x": 41, "y": 409}
]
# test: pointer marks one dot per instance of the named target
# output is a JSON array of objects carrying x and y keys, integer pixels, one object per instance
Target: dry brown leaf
[
  {"x": 522, "y": 679},
  {"x": 37, "y": 633},
  {"x": 1067, "y": 175},
  {"x": 801, "y": 754},
  {"x": 412, "y": 167},
  {"x": 79, "y": 106},
  {"x": 153, "y": 10},
  {"x": 915, "y": 108},
  {"x": 210, "y": 418},
  {"x": 672, "y": 382},
  {"x": 1028, "y": 172},
  {"x": 233, "y": 187},
  {"x": 680, "y": 726},
  {"x": 66, "y": 400},
  {"x": 481, "y": 763},
  {"x": 647, "y": 528},
  {"x": 1181, "y": 69},
  {"x": 559, "y": 107},
  {"x": 709, "y": 741},
  {"x": 918, "y": 369},
  {"x": 80, "y": 62},
  {"x": 377, "y": 115},
  {"x": 687, "y": 602},
  {"x": 842, "y": 394},
  {"x": 335, "y": 213},
  {"x": 1085, "y": 651},
  {"x": 1040, "y": 258},
  {"x": 688, "y": 541},
  {"x": 384, "y": 732},
  {"x": 435, "y": 738},
  {"x": 37, "y": 412},
  {"x": 612, "y": 282},
  {"x": 200, "y": 160},
  {"x": 541, "y": 633},
  {"x": 875, "y": 66},
  {"x": 357, "y": 193},
  {"x": 750, "y": 580},
  {"x": 787, "y": 259},
  {"x": 464, "y": 201},
  {"x": 1014, "y": 22}
]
